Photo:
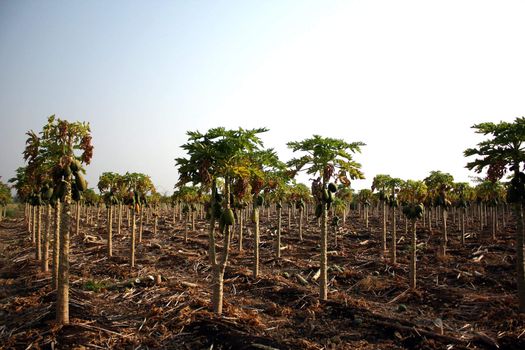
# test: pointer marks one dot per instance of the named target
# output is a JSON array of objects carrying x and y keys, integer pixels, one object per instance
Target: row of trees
[{"x": 230, "y": 169}]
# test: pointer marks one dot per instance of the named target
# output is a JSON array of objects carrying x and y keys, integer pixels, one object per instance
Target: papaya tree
[
  {"x": 491, "y": 193},
  {"x": 20, "y": 184},
  {"x": 380, "y": 183},
  {"x": 107, "y": 185},
  {"x": 439, "y": 185},
  {"x": 412, "y": 194},
  {"x": 5, "y": 199},
  {"x": 64, "y": 146},
  {"x": 365, "y": 199},
  {"x": 218, "y": 154},
  {"x": 328, "y": 159},
  {"x": 138, "y": 185},
  {"x": 500, "y": 153},
  {"x": 393, "y": 186},
  {"x": 299, "y": 195},
  {"x": 464, "y": 194},
  {"x": 265, "y": 172}
]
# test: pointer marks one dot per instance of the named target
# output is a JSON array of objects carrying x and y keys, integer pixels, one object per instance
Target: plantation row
[{"x": 236, "y": 182}]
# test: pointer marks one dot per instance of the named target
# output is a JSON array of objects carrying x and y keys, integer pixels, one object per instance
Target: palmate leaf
[
  {"x": 503, "y": 148},
  {"x": 323, "y": 153}
]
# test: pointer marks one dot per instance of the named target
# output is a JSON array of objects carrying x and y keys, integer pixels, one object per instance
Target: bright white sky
[{"x": 408, "y": 78}]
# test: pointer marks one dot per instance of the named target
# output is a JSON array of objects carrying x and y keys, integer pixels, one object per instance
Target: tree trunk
[
  {"x": 413, "y": 256},
  {"x": 77, "y": 228},
  {"x": 445, "y": 237},
  {"x": 219, "y": 268},
  {"x": 33, "y": 240},
  {"x": 384, "y": 226},
  {"x": 520, "y": 263},
  {"x": 110, "y": 231},
  {"x": 56, "y": 246},
  {"x": 278, "y": 243},
  {"x": 323, "y": 282},
  {"x": 366, "y": 216},
  {"x": 141, "y": 217},
  {"x": 289, "y": 218},
  {"x": 119, "y": 224},
  {"x": 241, "y": 212},
  {"x": 393, "y": 252},
  {"x": 62, "y": 309},
  {"x": 186, "y": 223},
  {"x": 39, "y": 234},
  {"x": 47, "y": 234},
  {"x": 133, "y": 229},
  {"x": 463, "y": 214},
  {"x": 256, "y": 240},
  {"x": 301, "y": 211}
]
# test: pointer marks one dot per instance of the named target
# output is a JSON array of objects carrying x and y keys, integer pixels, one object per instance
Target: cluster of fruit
[
  {"x": 516, "y": 190},
  {"x": 413, "y": 211},
  {"x": 326, "y": 197}
]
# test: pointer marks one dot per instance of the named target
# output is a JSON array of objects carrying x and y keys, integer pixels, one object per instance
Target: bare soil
[{"x": 466, "y": 300}]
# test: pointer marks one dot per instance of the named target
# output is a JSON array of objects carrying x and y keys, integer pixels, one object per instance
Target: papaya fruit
[
  {"x": 332, "y": 187},
  {"x": 75, "y": 165},
  {"x": 318, "y": 210},
  {"x": 228, "y": 217},
  {"x": 259, "y": 201},
  {"x": 80, "y": 182},
  {"x": 217, "y": 210},
  {"x": 61, "y": 190},
  {"x": 75, "y": 193}
]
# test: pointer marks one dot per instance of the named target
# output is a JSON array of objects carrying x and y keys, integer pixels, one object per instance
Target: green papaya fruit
[
  {"x": 332, "y": 187},
  {"x": 217, "y": 210},
  {"x": 80, "y": 182},
  {"x": 318, "y": 210},
  {"x": 75, "y": 165},
  {"x": 75, "y": 193},
  {"x": 228, "y": 217},
  {"x": 61, "y": 190},
  {"x": 259, "y": 201},
  {"x": 326, "y": 195}
]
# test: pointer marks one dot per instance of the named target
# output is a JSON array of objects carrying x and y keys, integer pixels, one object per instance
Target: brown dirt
[{"x": 472, "y": 292}]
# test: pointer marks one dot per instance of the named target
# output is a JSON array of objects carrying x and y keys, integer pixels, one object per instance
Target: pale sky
[{"x": 408, "y": 78}]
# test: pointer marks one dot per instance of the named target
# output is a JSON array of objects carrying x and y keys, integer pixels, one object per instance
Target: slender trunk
[
  {"x": 119, "y": 224},
  {"x": 33, "y": 239},
  {"x": 278, "y": 243},
  {"x": 186, "y": 223},
  {"x": 289, "y": 217},
  {"x": 193, "y": 213},
  {"x": 384, "y": 226},
  {"x": 256, "y": 239},
  {"x": 463, "y": 214},
  {"x": 62, "y": 309},
  {"x": 219, "y": 268},
  {"x": 39, "y": 234},
  {"x": 393, "y": 253},
  {"x": 413, "y": 256},
  {"x": 445, "y": 237},
  {"x": 155, "y": 222},
  {"x": 47, "y": 234},
  {"x": 141, "y": 216},
  {"x": 241, "y": 212},
  {"x": 520, "y": 264},
  {"x": 77, "y": 228},
  {"x": 323, "y": 282},
  {"x": 110, "y": 231},
  {"x": 133, "y": 233},
  {"x": 56, "y": 246},
  {"x": 301, "y": 223},
  {"x": 366, "y": 216}
]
